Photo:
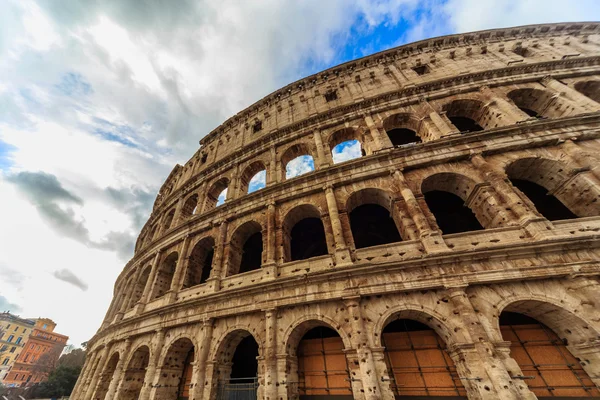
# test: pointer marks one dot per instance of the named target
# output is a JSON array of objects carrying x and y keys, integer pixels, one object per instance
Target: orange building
[{"x": 39, "y": 355}]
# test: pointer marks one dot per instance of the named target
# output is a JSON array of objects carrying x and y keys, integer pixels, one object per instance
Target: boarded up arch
[
  {"x": 402, "y": 129},
  {"x": 468, "y": 115},
  {"x": 303, "y": 233},
  {"x": 250, "y": 172},
  {"x": 212, "y": 196},
  {"x": 589, "y": 88},
  {"x": 245, "y": 248}
]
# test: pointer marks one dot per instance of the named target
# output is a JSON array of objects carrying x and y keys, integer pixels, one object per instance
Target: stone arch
[
  {"x": 447, "y": 195},
  {"x": 151, "y": 234},
  {"x": 190, "y": 206},
  {"x": 176, "y": 368},
  {"x": 106, "y": 376},
  {"x": 216, "y": 189},
  {"x": 541, "y": 103},
  {"x": 164, "y": 275},
  {"x": 468, "y": 115},
  {"x": 140, "y": 285},
  {"x": 250, "y": 172},
  {"x": 345, "y": 136},
  {"x": 199, "y": 263},
  {"x": 567, "y": 194},
  {"x": 294, "y": 332},
  {"x": 292, "y": 153},
  {"x": 589, "y": 88},
  {"x": 245, "y": 250},
  {"x": 403, "y": 129},
  {"x": 168, "y": 221},
  {"x": 307, "y": 240},
  {"x": 369, "y": 224},
  {"x": 134, "y": 373}
]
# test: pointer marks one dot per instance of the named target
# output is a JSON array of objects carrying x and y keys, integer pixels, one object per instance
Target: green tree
[{"x": 61, "y": 382}]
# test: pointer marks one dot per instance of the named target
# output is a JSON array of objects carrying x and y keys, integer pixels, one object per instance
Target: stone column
[
  {"x": 152, "y": 375},
  {"x": 368, "y": 372},
  {"x": 217, "y": 267},
  {"x": 322, "y": 160},
  {"x": 202, "y": 358},
  {"x": 139, "y": 307},
  {"x": 272, "y": 173},
  {"x": 382, "y": 372},
  {"x": 381, "y": 142},
  {"x": 232, "y": 190},
  {"x": 178, "y": 210},
  {"x": 117, "y": 379},
  {"x": 583, "y": 158},
  {"x": 270, "y": 266},
  {"x": 482, "y": 198},
  {"x": 432, "y": 240},
  {"x": 443, "y": 124},
  {"x": 355, "y": 374},
  {"x": 179, "y": 274},
  {"x": 502, "y": 353},
  {"x": 492, "y": 381},
  {"x": 500, "y": 102},
  {"x": 342, "y": 254},
  {"x": 404, "y": 222},
  {"x": 136, "y": 277},
  {"x": 581, "y": 101},
  {"x": 270, "y": 358},
  {"x": 589, "y": 355}
]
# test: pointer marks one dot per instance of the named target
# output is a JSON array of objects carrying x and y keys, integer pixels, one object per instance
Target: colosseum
[{"x": 428, "y": 226}]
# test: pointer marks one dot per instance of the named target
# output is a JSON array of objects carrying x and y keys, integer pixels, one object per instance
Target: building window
[
  {"x": 16, "y": 328},
  {"x": 6, "y": 360},
  {"x": 32, "y": 346},
  {"x": 19, "y": 340},
  {"x": 26, "y": 357},
  {"x": 13, "y": 349},
  {"x": 421, "y": 69},
  {"x": 7, "y": 326},
  {"x": 16, "y": 376},
  {"x": 257, "y": 126},
  {"x": 331, "y": 95},
  {"x": 24, "y": 330},
  {"x": 10, "y": 338}
]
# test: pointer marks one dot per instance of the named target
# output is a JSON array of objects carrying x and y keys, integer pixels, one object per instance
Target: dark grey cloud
[
  {"x": 66, "y": 275},
  {"x": 6, "y": 305}
]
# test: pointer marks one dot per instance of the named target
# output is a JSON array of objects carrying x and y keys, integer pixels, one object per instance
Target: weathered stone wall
[{"x": 458, "y": 284}]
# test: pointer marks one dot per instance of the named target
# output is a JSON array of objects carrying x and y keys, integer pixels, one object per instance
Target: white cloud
[
  {"x": 298, "y": 166},
  {"x": 345, "y": 151},
  {"x": 258, "y": 181}
]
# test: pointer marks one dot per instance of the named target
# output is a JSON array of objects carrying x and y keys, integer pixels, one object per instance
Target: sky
[{"x": 100, "y": 99}]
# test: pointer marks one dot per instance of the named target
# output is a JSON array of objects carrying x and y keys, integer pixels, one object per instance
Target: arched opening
[
  {"x": 371, "y": 220},
  {"x": 169, "y": 220},
  {"x": 254, "y": 178},
  {"x": 199, "y": 263},
  {"x": 450, "y": 212},
  {"x": 217, "y": 194},
  {"x": 245, "y": 249},
  {"x": 418, "y": 363},
  {"x": 344, "y": 145},
  {"x": 465, "y": 115},
  {"x": 304, "y": 234},
  {"x": 547, "y": 365},
  {"x": 403, "y": 136},
  {"x": 152, "y": 234},
  {"x": 139, "y": 286},
  {"x": 164, "y": 276},
  {"x": 106, "y": 377},
  {"x": 533, "y": 102},
  {"x": 133, "y": 378},
  {"x": 590, "y": 89},
  {"x": 402, "y": 129},
  {"x": 190, "y": 206},
  {"x": 538, "y": 178},
  {"x": 176, "y": 372},
  {"x": 237, "y": 366},
  {"x": 297, "y": 160},
  {"x": 321, "y": 365}
]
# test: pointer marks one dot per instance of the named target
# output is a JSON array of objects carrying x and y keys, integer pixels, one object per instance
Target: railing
[{"x": 238, "y": 389}]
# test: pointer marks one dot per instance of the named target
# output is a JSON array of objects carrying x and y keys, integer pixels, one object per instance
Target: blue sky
[{"x": 99, "y": 100}]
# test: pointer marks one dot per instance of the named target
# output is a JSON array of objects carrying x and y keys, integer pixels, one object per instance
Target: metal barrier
[{"x": 238, "y": 389}]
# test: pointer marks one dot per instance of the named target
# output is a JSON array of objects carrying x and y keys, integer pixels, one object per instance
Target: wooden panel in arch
[{"x": 186, "y": 379}]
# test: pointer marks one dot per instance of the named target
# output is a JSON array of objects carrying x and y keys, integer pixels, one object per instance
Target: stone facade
[{"x": 495, "y": 115}]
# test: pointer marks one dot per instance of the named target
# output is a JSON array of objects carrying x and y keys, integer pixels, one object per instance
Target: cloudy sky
[{"x": 100, "y": 99}]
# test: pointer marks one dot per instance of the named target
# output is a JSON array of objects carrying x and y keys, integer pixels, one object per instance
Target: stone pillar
[
  {"x": 492, "y": 381},
  {"x": 139, "y": 308},
  {"x": 432, "y": 241},
  {"x": 288, "y": 384},
  {"x": 404, "y": 222},
  {"x": 271, "y": 381},
  {"x": 502, "y": 353},
  {"x": 497, "y": 101},
  {"x": 443, "y": 124},
  {"x": 368, "y": 372},
  {"x": 178, "y": 210},
  {"x": 202, "y": 358},
  {"x": 482, "y": 198},
  {"x": 583, "y": 158},
  {"x": 92, "y": 363},
  {"x": 382, "y": 372},
  {"x": 117, "y": 379},
  {"x": 322, "y": 160},
  {"x": 381, "y": 142},
  {"x": 355, "y": 374},
  {"x": 152, "y": 371},
  {"x": 215, "y": 274},
  {"x": 273, "y": 173},
  {"x": 179, "y": 274},
  {"x": 234, "y": 183},
  {"x": 270, "y": 266},
  {"x": 579, "y": 99},
  {"x": 91, "y": 389},
  {"x": 135, "y": 279},
  {"x": 342, "y": 254},
  {"x": 589, "y": 355}
]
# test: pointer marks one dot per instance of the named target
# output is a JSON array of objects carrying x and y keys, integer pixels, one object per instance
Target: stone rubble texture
[{"x": 458, "y": 284}]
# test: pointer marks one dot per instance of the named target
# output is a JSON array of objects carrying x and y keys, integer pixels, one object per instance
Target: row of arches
[{"x": 417, "y": 359}]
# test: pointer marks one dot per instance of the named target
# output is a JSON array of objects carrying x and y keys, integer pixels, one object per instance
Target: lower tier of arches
[{"x": 525, "y": 340}]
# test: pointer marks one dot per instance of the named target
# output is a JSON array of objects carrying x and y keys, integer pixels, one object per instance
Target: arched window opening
[
  {"x": 253, "y": 178},
  {"x": 175, "y": 377},
  {"x": 200, "y": 263},
  {"x": 217, "y": 194},
  {"x": 244, "y": 369},
  {"x": 533, "y": 102},
  {"x": 133, "y": 379},
  {"x": 245, "y": 249},
  {"x": 465, "y": 124},
  {"x": 372, "y": 225},
  {"x": 590, "y": 89},
  {"x": 418, "y": 362},
  {"x": 169, "y": 220},
  {"x": 322, "y": 367},
  {"x": 238, "y": 369},
  {"x": 299, "y": 166},
  {"x": 308, "y": 239},
  {"x": 190, "y": 206},
  {"x": 403, "y": 136},
  {"x": 106, "y": 377},
  {"x": 152, "y": 233},
  {"x": 164, "y": 276},
  {"x": 546, "y": 204},
  {"x": 451, "y": 214},
  {"x": 544, "y": 358},
  {"x": 345, "y": 151},
  {"x": 138, "y": 287}
]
